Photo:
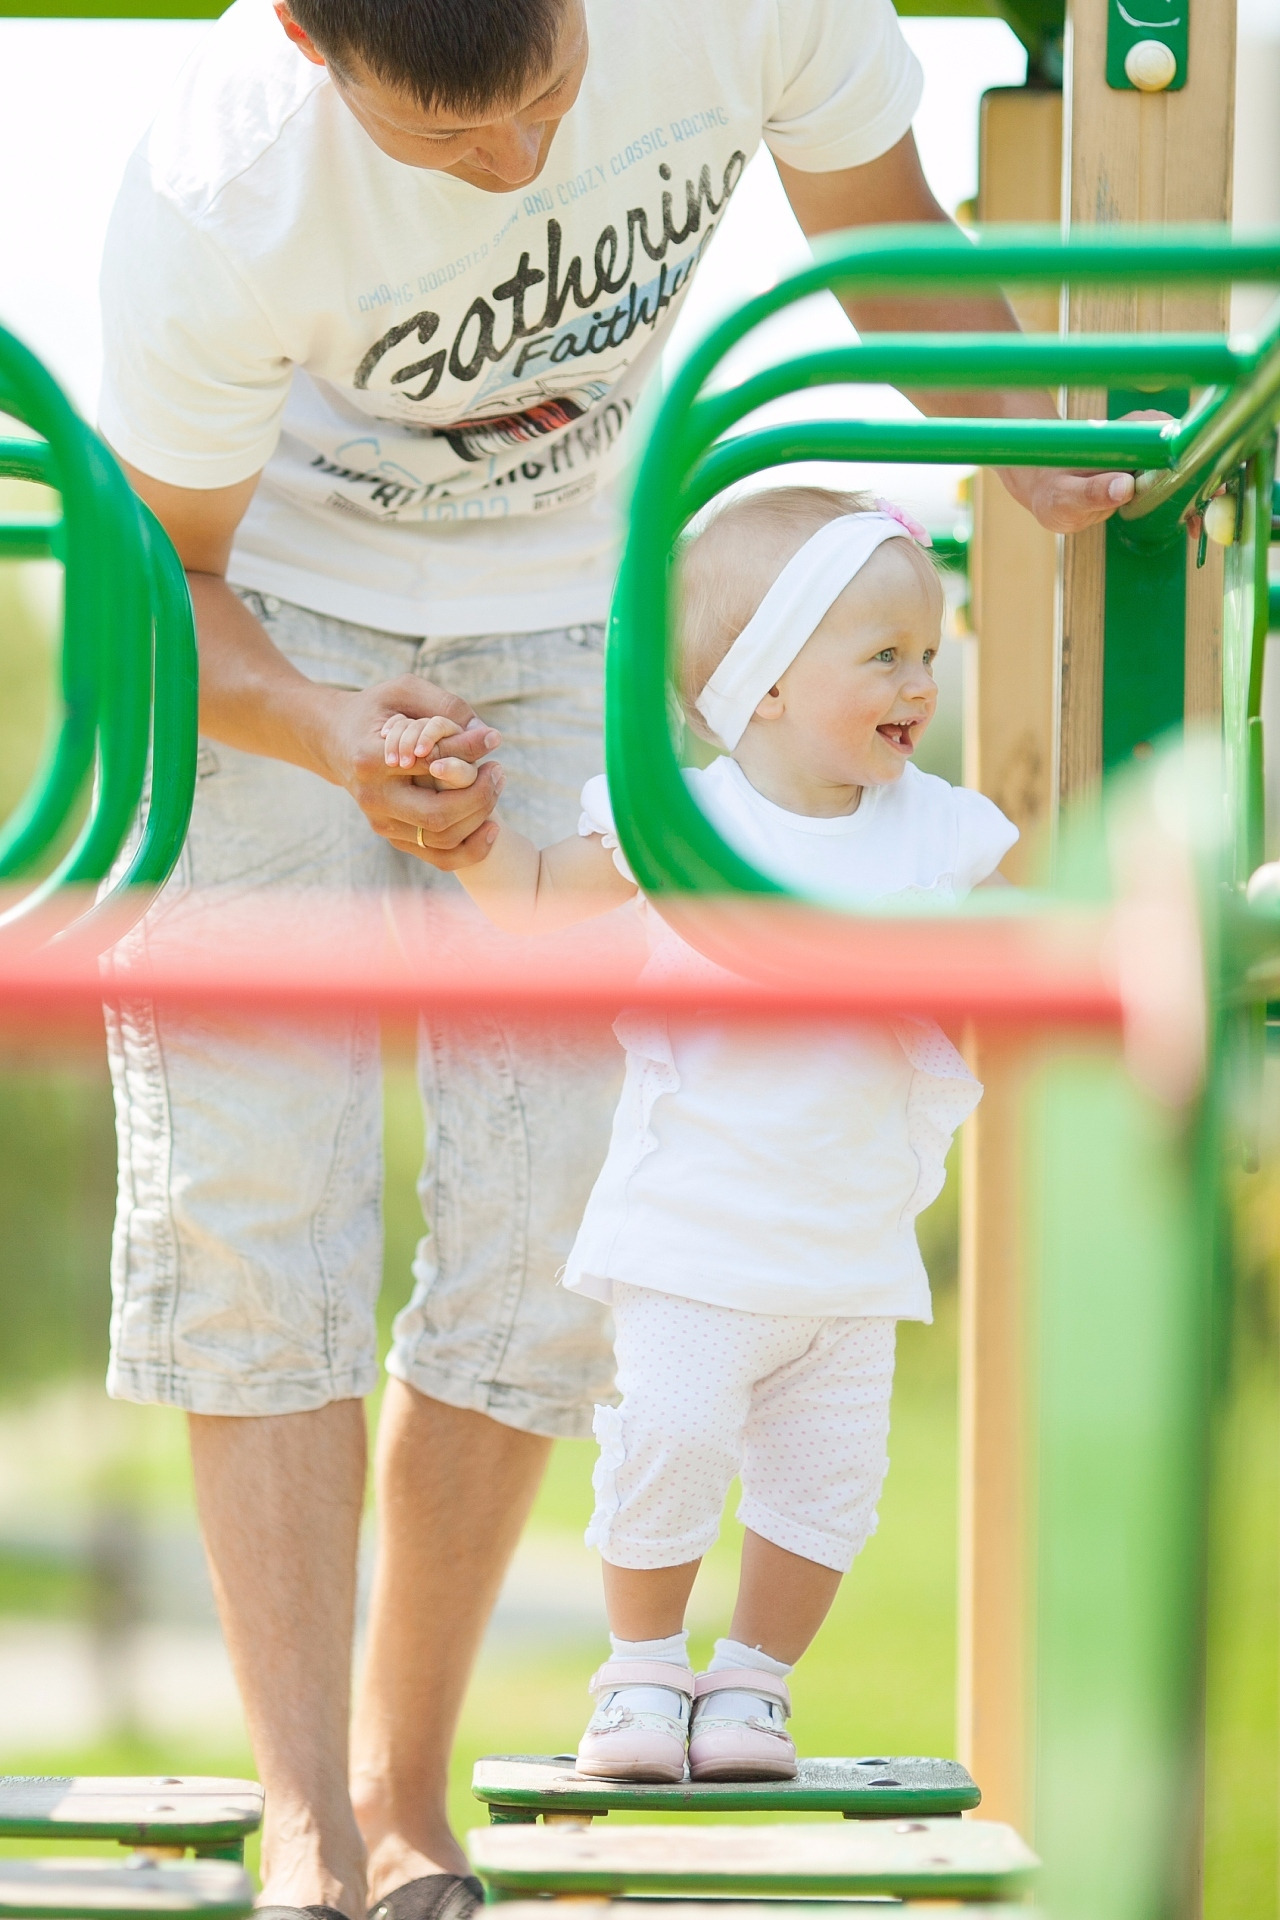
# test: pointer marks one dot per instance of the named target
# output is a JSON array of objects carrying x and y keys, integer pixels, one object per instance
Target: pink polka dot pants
[{"x": 798, "y": 1406}]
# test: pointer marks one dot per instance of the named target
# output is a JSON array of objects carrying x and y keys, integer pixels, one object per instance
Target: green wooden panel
[
  {"x": 940, "y": 1859},
  {"x": 1144, "y": 658},
  {"x": 83, "y": 1889},
  {"x": 1162, "y": 20},
  {"x": 167, "y": 1812},
  {"x": 529, "y": 1784}
]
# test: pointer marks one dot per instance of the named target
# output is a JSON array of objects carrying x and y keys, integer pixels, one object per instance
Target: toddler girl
[{"x": 753, "y": 1227}]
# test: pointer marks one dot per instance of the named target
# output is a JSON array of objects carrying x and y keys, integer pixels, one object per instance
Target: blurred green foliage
[{"x": 57, "y": 1156}]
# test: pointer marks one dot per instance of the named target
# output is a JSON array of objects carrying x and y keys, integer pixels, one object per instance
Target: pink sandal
[
  {"x": 756, "y": 1749},
  {"x": 625, "y": 1742}
]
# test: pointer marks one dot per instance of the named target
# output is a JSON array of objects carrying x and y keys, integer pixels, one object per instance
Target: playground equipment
[
  {"x": 1131, "y": 1286},
  {"x": 1121, "y": 1235},
  {"x": 158, "y": 1820},
  {"x": 518, "y": 1789},
  {"x": 127, "y": 693}
]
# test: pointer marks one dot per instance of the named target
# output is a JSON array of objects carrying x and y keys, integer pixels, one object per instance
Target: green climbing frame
[
  {"x": 128, "y": 672},
  {"x": 1128, "y": 1259}
]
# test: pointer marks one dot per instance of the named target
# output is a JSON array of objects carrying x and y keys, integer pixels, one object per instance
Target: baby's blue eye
[{"x": 887, "y": 653}]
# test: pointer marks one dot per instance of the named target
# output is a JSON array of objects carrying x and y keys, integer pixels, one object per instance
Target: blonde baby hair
[{"x": 727, "y": 567}]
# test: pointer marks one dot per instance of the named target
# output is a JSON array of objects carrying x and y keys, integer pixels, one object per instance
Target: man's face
[{"x": 500, "y": 150}]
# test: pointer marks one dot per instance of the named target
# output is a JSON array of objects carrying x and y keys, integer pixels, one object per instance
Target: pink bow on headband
[{"x": 904, "y": 520}]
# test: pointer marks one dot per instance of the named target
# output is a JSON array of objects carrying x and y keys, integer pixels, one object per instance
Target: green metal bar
[
  {"x": 671, "y": 847},
  {"x": 100, "y": 591},
  {"x": 113, "y": 9},
  {"x": 1026, "y": 443},
  {"x": 26, "y": 460},
  {"x": 175, "y": 715},
  {"x": 30, "y": 537},
  {"x": 106, "y": 642},
  {"x": 1204, "y": 453},
  {"x": 878, "y": 257},
  {"x": 984, "y": 360},
  {"x": 174, "y": 746}
]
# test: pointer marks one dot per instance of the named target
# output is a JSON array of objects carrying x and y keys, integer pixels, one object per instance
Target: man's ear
[{"x": 300, "y": 37}]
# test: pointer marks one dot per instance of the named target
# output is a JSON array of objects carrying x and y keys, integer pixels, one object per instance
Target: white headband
[{"x": 794, "y": 607}]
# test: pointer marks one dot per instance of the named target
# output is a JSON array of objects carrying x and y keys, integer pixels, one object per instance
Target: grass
[{"x": 879, "y": 1678}]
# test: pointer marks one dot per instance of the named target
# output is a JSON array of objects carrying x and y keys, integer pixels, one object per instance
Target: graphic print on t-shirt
[
  {"x": 434, "y": 383},
  {"x": 517, "y": 351}
]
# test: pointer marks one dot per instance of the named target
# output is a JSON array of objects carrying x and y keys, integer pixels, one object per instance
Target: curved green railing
[
  {"x": 127, "y": 666},
  {"x": 693, "y": 453}
]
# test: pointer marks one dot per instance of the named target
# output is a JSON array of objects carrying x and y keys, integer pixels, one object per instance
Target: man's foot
[
  {"x": 395, "y": 1862},
  {"x": 432, "y": 1896},
  {"x": 640, "y": 1728},
  {"x": 739, "y": 1729},
  {"x": 315, "y": 1912},
  {"x": 295, "y": 1881}
]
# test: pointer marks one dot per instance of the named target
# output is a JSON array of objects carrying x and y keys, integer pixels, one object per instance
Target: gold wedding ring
[{"x": 421, "y": 841}]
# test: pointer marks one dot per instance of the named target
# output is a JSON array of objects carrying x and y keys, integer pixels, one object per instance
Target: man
[{"x": 383, "y": 287}]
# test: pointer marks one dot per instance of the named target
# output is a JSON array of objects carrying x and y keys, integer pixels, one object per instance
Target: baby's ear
[{"x": 772, "y": 707}]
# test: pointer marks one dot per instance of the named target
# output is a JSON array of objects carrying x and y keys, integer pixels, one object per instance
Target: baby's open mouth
[{"x": 899, "y": 734}]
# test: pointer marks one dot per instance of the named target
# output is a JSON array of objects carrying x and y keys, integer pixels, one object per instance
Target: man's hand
[
  {"x": 255, "y": 699},
  {"x": 893, "y": 189},
  {"x": 441, "y": 816},
  {"x": 1065, "y": 501}
]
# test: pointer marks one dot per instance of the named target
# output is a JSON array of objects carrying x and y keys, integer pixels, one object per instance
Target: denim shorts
[{"x": 248, "y": 1245}]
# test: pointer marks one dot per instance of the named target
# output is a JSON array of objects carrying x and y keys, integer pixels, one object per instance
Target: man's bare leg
[
  {"x": 280, "y": 1501},
  {"x": 454, "y": 1492}
]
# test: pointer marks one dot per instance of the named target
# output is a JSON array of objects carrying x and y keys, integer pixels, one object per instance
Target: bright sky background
[{"x": 76, "y": 96}]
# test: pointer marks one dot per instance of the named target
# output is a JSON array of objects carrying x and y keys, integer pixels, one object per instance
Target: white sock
[
  {"x": 735, "y": 1653},
  {"x": 733, "y": 1705},
  {"x": 675, "y": 1649}
]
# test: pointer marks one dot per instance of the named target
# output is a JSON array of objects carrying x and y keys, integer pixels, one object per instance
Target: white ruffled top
[{"x": 782, "y": 1172}]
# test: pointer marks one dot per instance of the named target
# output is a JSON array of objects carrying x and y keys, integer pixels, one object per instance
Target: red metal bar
[{"x": 311, "y": 956}]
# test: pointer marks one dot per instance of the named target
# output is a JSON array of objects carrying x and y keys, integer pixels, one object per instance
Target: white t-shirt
[
  {"x": 783, "y": 1172},
  {"x": 437, "y": 380}
]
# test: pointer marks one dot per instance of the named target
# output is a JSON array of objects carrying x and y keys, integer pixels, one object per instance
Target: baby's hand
[{"x": 410, "y": 742}]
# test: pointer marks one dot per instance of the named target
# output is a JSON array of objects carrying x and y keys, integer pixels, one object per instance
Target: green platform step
[
  {"x": 517, "y": 1787},
  {"x": 85, "y": 1889},
  {"x": 873, "y": 1908},
  {"x": 932, "y": 1859},
  {"x": 211, "y": 1817}
]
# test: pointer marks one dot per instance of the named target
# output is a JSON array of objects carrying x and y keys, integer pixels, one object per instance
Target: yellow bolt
[{"x": 1220, "y": 520}]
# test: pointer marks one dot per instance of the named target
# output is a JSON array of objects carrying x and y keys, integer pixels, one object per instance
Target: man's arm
[
  {"x": 251, "y": 697},
  {"x": 893, "y": 189}
]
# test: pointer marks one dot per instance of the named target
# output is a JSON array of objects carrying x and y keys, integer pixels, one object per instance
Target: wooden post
[
  {"x": 1126, "y": 157},
  {"x": 1010, "y": 756},
  {"x": 1157, "y": 157}
]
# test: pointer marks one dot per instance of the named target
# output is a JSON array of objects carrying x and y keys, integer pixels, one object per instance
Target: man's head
[{"x": 473, "y": 88}]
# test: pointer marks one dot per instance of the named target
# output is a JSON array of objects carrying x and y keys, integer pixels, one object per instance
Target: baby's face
[{"x": 860, "y": 693}]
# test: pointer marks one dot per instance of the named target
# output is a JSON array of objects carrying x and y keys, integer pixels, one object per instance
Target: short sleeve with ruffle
[
  {"x": 597, "y": 817},
  {"x": 983, "y": 837}
]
